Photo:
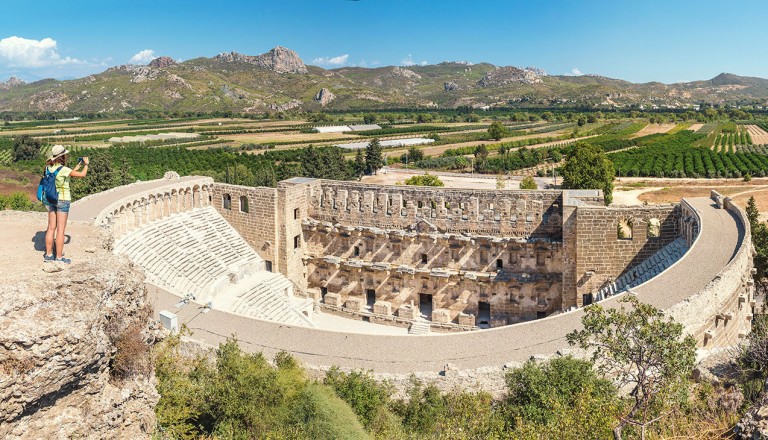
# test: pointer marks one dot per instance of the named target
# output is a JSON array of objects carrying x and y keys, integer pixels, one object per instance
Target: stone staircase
[
  {"x": 652, "y": 266},
  {"x": 419, "y": 327}
]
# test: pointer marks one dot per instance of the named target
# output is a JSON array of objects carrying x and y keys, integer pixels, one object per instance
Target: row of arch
[{"x": 158, "y": 204}]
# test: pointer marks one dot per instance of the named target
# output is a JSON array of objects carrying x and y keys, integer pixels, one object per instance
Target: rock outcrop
[
  {"x": 279, "y": 60},
  {"x": 162, "y": 62},
  {"x": 324, "y": 97},
  {"x": 509, "y": 75},
  {"x": 59, "y": 345},
  {"x": 12, "y": 82},
  {"x": 754, "y": 424},
  {"x": 450, "y": 86},
  {"x": 405, "y": 73}
]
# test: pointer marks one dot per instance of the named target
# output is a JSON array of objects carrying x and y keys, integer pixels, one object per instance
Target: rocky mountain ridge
[{"x": 278, "y": 80}]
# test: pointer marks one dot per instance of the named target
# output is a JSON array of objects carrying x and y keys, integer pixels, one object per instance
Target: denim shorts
[{"x": 61, "y": 206}]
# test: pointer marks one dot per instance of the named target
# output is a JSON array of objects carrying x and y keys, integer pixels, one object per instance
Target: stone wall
[
  {"x": 259, "y": 225},
  {"x": 720, "y": 314},
  {"x": 593, "y": 242},
  {"x": 503, "y": 213}
]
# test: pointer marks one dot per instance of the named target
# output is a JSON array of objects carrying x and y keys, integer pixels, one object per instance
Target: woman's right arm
[{"x": 80, "y": 173}]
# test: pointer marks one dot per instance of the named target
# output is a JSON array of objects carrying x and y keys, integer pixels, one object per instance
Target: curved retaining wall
[{"x": 721, "y": 313}]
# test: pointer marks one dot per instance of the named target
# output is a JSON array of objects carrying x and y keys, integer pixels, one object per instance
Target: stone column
[{"x": 166, "y": 204}]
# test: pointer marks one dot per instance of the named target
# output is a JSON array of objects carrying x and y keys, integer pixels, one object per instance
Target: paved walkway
[
  {"x": 87, "y": 209},
  {"x": 721, "y": 236}
]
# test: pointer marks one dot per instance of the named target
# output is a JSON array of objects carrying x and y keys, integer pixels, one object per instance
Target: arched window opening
[
  {"x": 624, "y": 229},
  {"x": 227, "y": 201},
  {"x": 243, "y": 204},
  {"x": 654, "y": 228}
]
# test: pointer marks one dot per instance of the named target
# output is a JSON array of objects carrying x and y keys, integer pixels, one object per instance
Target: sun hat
[{"x": 58, "y": 151}]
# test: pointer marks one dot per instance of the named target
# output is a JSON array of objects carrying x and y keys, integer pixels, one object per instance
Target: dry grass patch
[{"x": 674, "y": 194}]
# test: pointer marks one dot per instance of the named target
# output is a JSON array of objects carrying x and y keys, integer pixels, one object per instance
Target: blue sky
[{"x": 640, "y": 40}]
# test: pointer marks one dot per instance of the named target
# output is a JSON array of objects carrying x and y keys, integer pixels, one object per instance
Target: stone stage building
[{"x": 460, "y": 258}]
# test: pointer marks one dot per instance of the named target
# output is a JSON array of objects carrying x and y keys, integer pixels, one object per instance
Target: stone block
[
  {"x": 407, "y": 312},
  {"x": 354, "y": 304},
  {"x": 333, "y": 299},
  {"x": 467, "y": 319},
  {"x": 382, "y": 308},
  {"x": 441, "y": 316}
]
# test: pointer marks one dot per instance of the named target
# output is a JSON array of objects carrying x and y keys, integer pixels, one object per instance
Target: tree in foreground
[
  {"x": 586, "y": 167},
  {"x": 759, "y": 240},
  {"x": 373, "y": 158},
  {"x": 528, "y": 183},
  {"x": 25, "y": 147},
  {"x": 424, "y": 180},
  {"x": 561, "y": 397},
  {"x": 641, "y": 350},
  {"x": 497, "y": 131}
]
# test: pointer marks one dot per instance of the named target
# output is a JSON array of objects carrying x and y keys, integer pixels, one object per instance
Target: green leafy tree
[
  {"x": 586, "y": 167},
  {"x": 528, "y": 183},
  {"x": 25, "y": 147},
  {"x": 481, "y": 158},
  {"x": 638, "y": 347},
  {"x": 759, "y": 232},
  {"x": 373, "y": 158},
  {"x": 359, "y": 164},
  {"x": 538, "y": 393},
  {"x": 367, "y": 397},
  {"x": 414, "y": 155},
  {"x": 424, "y": 180},
  {"x": 369, "y": 118},
  {"x": 497, "y": 131}
]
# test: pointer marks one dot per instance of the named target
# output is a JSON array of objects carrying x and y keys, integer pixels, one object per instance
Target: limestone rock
[
  {"x": 162, "y": 62},
  {"x": 285, "y": 107},
  {"x": 58, "y": 339},
  {"x": 279, "y": 60},
  {"x": 405, "y": 73},
  {"x": 450, "y": 86},
  {"x": 509, "y": 75},
  {"x": 754, "y": 424},
  {"x": 12, "y": 82},
  {"x": 324, "y": 96}
]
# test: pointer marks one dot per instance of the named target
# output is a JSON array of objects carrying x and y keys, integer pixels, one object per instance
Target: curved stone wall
[
  {"x": 719, "y": 314},
  {"x": 138, "y": 209}
]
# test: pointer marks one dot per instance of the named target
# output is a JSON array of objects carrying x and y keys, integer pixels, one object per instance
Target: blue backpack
[{"x": 46, "y": 190}]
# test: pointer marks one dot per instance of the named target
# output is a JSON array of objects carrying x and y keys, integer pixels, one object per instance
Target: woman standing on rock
[{"x": 57, "y": 214}]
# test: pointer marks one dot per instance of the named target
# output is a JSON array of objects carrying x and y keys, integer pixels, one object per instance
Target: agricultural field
[
  {"x": 758, "y": 133},
  {"x": 262, "y": 152}
]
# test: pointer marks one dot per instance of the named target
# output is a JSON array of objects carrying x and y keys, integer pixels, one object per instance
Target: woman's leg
[
  {"x": 61, "y": 226},
  {"x": 49, "y": 233}
]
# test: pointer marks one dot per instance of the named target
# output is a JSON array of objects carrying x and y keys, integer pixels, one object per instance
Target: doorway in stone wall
[
  {"x": 425, "y": 305},
  {"x": 370, "y": 298},
  {"x": 484, "y": 314}
]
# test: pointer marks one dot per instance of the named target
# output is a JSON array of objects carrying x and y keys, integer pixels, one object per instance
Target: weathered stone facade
[{"x": 458, "y": 257}]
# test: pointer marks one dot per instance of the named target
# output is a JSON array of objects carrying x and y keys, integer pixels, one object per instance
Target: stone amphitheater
[{"x": 411, "y": 279}]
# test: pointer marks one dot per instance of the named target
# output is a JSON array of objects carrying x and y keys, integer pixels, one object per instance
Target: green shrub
[
  {"x": 424, "y": 180},
  {"x": 528, "y": 183}
]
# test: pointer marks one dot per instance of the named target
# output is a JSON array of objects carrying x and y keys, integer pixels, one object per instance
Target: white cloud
[
  {"x": 408, "y": 61},
  {"x": 143, "y": 57},
  {"x": 23, "y": 52},
  {"x": 575, "y": 72},
  {"x": 332, "y": 61}
]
